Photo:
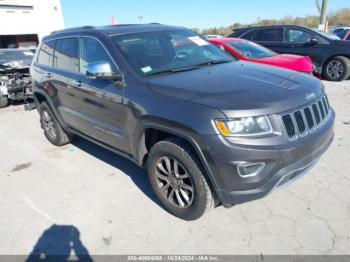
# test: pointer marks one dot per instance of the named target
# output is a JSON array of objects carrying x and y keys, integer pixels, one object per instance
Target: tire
[
  {"x": 190, "y": 174},
  {"x": 336, "y": 69},
  {"x": 4, "y": 101},
  {"x": 52, "y": 129}
]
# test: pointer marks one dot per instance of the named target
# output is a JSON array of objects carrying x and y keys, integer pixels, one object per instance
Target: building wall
[{"x": 30, "y": 17}]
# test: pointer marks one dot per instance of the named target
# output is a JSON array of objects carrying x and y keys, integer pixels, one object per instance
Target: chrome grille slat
[
  {"x": 329, "y": 106},
  {"x": 325, "y": 105},
  {"x": 301, "y": 122},
  {"x": 316, "y": 113}
]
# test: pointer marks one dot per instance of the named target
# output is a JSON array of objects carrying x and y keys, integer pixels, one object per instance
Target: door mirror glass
[{"x": 102, "y": 70}]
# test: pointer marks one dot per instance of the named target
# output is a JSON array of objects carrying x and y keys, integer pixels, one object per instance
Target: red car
[{"x": 249, "y": 51}]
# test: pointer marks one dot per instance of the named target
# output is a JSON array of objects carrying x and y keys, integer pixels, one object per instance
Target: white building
[{"x": 23, "y": 22}]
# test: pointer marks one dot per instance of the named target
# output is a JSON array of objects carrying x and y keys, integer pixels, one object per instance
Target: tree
[{"x": 340, "y": 17}]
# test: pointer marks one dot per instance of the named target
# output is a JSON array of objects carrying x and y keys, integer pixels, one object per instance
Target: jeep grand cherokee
[{"x": 209, "y": 129}]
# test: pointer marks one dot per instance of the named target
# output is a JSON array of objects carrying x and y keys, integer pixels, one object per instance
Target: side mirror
[
  {"x": 102, "y": 70},
  {"x": 313, "y": 41}
]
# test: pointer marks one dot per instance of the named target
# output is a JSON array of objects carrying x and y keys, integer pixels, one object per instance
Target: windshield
[
  {"x": 21, "y": 57},
  {"x": 167, "y": 51},
  {"x": 251, "y": 50},
  {"x": 327, "y": 35}
]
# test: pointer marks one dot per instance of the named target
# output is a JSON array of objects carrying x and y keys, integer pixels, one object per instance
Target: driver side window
[
  {"x": 92, "y": 51},
  {"x": 298, "y": 36}
]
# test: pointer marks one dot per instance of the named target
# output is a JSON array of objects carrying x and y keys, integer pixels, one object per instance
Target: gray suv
[{"x": 210, "y": 130}]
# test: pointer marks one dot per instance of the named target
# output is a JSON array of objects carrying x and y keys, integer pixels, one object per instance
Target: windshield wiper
[
  {"x": 214, "y": 62},
  {"x": 182, "y": 69},
  {"x": 173, "y": 70}
]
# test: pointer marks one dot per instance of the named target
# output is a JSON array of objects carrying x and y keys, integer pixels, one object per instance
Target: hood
[
  {"x": 240, "y": 86},
  {"x": 342, "y": 43},
  {"x": 15, "y": 64},
  {"x": 293, "y": 62},
  {"x": 9, "y": 68}
]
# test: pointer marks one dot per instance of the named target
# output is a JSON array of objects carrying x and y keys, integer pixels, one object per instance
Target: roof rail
[{"x": 73, "y": 29}]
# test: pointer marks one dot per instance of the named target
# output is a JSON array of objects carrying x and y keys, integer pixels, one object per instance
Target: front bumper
[{"x": 283, "y": 164}]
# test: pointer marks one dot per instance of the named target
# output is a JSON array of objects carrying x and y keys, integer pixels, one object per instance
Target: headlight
[{"x": 245, "y": 126}]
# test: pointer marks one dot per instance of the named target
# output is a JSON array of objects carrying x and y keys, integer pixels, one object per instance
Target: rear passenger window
[
  {"x": 45, "y": 54},
  {"x": 269, "y": 35},
  {"x": 66, "y": 54},
  {"x": 92, "y": 51}
]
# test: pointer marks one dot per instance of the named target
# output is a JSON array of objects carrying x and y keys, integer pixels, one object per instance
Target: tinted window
[
  {"x": 249, "y": 35},
  {"x": 92, "y": 51},
  {"x": 269, "y": 35},
  {"x": 298, "y": 36},
  {"x": 66, "y": 54},
  {"x": 45, "y": 54}
]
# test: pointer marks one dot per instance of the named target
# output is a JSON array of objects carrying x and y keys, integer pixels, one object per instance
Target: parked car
[
  {"x": 346, "y": 35},
  {"x": 249, "y": 51},
  {"x": 340, "y": 31},
  {"x": 209, "y": 129},
  {"x": 15, "y": 82},
  {"x": 330, "y": 56}
]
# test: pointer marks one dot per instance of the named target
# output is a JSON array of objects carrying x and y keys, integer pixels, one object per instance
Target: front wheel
[
  {"x": 4, "y": 101},
  {"x": 177, "y": 179},
  {"x": 336, "y": 69}
]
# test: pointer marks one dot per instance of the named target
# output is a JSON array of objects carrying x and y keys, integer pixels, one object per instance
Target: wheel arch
[
  {"x": 39, "y": 97},
  {"x": 155, "y": 132},
  {"x": 333, "y": 56}
]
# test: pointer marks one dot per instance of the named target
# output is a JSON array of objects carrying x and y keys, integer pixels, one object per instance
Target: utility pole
[{"x": 322, "y": 9}]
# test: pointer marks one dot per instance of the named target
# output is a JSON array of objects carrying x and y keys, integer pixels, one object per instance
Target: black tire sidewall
[
  {"x": 199, "y": 204},
  {"x": 59, "y": 132},
  {"x": 346, "y": 63}
]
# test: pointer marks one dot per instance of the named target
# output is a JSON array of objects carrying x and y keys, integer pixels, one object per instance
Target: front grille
[{"x": 303, "y": 121}]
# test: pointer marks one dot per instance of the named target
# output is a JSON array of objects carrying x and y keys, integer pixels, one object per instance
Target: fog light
[{"x": 250, "y": 169}]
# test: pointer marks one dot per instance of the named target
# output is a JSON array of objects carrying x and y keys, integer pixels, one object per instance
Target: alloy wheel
[
  {"x": 49, "y": 125},
  {"x": 335, "y": 69},
  {"x": 174, "y": 182}
]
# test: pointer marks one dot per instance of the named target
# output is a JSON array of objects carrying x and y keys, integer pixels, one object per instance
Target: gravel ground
[{"x": 83, "y": 198}]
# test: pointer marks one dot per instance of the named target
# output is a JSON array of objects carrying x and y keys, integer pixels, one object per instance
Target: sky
[{"x": 189, "y": 13}]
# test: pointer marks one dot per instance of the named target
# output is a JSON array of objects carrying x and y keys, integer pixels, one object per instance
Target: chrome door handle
[
  {"x": 48, "y": 75},
  {"x": 77, "y": 83}
]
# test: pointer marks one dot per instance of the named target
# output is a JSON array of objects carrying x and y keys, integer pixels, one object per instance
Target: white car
[{"x": 212, "y": 36}]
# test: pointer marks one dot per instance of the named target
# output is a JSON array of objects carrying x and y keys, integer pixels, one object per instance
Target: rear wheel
[
  {"x": 4, "y": 101},
  {"x": 336, "y": 69},
  {"x": 176, "y": 176},
  {"x": 52, "y": 129}
]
